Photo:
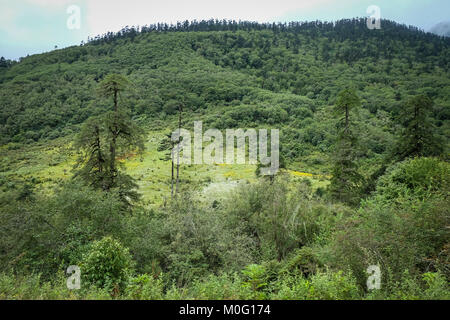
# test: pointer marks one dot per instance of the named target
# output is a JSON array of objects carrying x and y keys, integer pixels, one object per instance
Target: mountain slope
[{"x": 234, "y": 75}]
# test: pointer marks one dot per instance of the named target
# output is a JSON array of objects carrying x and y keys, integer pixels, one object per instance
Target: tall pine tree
[
  {"x": 104, "y": 138},
  {"x": 346, "y": 180}
]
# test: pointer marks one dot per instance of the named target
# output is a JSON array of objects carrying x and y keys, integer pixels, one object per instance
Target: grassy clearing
[{"x": 48, "y": 164}]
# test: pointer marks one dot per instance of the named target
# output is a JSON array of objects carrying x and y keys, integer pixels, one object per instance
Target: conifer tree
[
  {"x": 104, "y": 138},
  {"x": 346, "y": 180},
  {"x": 417, "y": 138}
]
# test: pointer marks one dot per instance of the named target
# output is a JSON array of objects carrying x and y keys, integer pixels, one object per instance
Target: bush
[
  {"x": 290, "y": 287},
  {"x": 437, "y": 287},
  {"x": 418, "y": 178},
  {"x": 197, "y": 242},
  {"x": 107, "y": 265},
  {"x": 255, "y": 280},
  {"x": 326, "y": 285},
  {"x": 32, "y": 287},
  {"x": 222, "y": 287},
  {"x": 333, "y": 286},
  {"x": 41, "y": 233},
  {"x": 302, "y": 262},
  {"x": 407, "y": 232},
  {"x": 279, "y": 218},
  {"x": 144, "y": 287},
  {"x": 406, "y": 287}
]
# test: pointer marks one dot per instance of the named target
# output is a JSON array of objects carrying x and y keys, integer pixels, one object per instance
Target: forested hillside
[{"x": 372, "y": 190}]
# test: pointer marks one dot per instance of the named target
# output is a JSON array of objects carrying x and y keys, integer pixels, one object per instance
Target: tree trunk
[
  {"x": 115, "y": 100},
  {"x": 178, "y": 151},
  {"x": 112, "y": 146},
  {"x": 346, "y": 119},
  {"x": 112, "y": 151},
  {"x": 171, "y": 181},
  {"x": 100, "y": 159}
]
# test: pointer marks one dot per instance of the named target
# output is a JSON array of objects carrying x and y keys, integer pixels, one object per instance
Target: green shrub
[
  {"x": 23, "y": 288},
  {"x": 222, "y": 287},
  {"x": 302, "y": 261},
  {"x": 107, "y": 265},
  {"x": 418, "y": 177},
  {"x": 437, "y": 287},
  {"x": 407, "y": 232},
  {"x": 326, "y": 285},
  {"x": 281, "y": 219},
  {"x": 333, "y": 286},
  {"x": 144, "y": 287},
  {"x": 32, "y": 287},
  {"x": 176, "y": 293},
  {"x": 39, "y": 235},
  {"x": 290, "y": 287},
  {"x": 198, "y": 241},
  {"x": 256, "y": 280}
]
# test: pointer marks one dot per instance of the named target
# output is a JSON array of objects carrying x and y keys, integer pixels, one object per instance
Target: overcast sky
[{"x": 35, "y": 26}]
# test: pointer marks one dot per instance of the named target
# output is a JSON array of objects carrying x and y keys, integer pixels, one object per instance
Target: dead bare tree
[
  {"x": 171, "y": 181},
  {"x": 180, "y": 110}
]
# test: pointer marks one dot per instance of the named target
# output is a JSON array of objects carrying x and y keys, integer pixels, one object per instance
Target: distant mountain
[{"x": 442, "y": 29}]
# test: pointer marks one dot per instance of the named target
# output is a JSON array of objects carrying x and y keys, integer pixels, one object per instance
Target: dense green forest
[{"x": 85, "y": 167}]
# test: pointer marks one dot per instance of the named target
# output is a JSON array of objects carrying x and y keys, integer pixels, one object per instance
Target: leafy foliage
[
  {"x": 107, "y": 264},
  {"x": 418, "y": 136}
]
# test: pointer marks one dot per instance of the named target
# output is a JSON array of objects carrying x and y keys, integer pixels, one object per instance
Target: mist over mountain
[{"x": 442, "y": 29}]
